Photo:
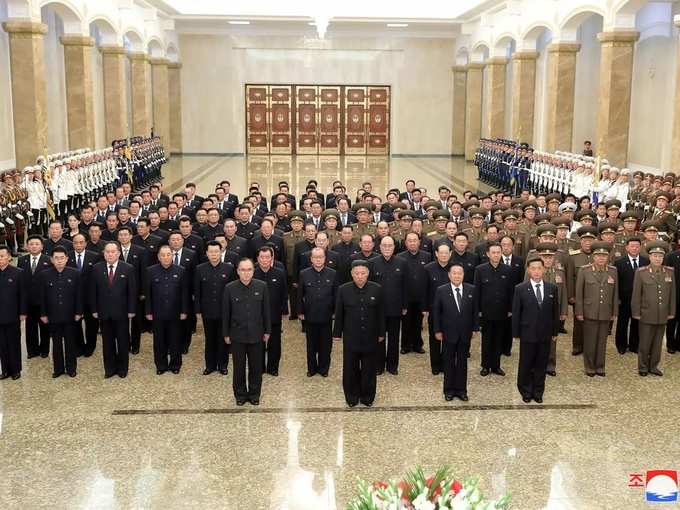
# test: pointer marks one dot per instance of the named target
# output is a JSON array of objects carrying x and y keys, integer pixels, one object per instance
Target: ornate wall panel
[
  {"x": 355, "y": 120},
  {"x": 329, "y": 120},
  {"x": 257, "y": 119},
  {"x": 281, "y": 121},
  {"x": 307, "y": 120},
  {"x": 378, "y": 120}
]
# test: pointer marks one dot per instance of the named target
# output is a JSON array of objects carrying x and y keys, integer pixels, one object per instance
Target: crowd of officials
[{"x": 365, "y": 270}]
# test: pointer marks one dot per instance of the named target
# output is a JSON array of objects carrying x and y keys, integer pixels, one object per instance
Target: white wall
[
  {"x": 216, "y": 68},
  {"x": 6, "y": 124},
  {"x": 651, "y": 114},
  {"x": 98, "y": 94},
  {"x": 541, "y": 88},
  {"x": 57, "y": 132},
  {"x": 587, "y": 84}
]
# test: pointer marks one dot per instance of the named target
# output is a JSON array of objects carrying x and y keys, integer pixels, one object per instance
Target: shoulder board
[
  {"x": 642, "y": 269},
  {"x": 611, "y": 267},
  {"x": 574, "y": 252},
  {"x": 669, "y": 269}
]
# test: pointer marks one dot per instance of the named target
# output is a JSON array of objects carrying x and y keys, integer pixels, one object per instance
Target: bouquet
[{"x": 418, "y": 492}]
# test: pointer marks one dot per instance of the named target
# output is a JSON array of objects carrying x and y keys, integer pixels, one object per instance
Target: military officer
[
  {"x": 167, "y": 299},
  {"x": 290, "y": 239},
  {"x": 596, "y": 295},
  {"x": 653, "y": 304},
  {"x": 607, "y": 231},
  {"x": 360, "y": 322},
  {"x": 246, "y": 325},
  {"x": 275, "y": 278},
  {"x": 113, "y": 293},
  {"x": 61, "y": 306},
  {"x": 578, "y": 259},
  {"x": 363, "y": 225},
  {"x": 510, "y": 228},
  {"x": 13, "y": 310},
  {"x": 210, "y": 279},
  {"x": 389, "y": 272}
]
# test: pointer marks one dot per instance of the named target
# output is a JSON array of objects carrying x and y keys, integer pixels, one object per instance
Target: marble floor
[{"x": 179, "y": 441}]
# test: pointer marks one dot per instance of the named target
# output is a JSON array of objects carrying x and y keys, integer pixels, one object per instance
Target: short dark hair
[{"x": 59, "y": 249}]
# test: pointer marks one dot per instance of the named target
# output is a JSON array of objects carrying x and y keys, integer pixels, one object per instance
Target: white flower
[{"x": 421, "y": 503}]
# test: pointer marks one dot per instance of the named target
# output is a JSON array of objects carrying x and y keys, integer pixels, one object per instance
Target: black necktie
[
  {"x": 458, "y": 298},
  {"x": 539, "y": 296},
  {"x": 635, "y": 264}
]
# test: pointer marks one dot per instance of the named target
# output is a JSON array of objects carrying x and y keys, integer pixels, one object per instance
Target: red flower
[
  {"x": 456, "y": 486},
  {"x": 428, "y": 482},
  {"x": 380, "y": 485}
]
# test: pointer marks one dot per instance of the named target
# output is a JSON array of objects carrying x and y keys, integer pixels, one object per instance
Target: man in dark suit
[
  {"x": 13, "y": 310},
  {"x": 265, "y": 236},
  {"x": 535, "y": 323},
  {"x": 437, "y": 275},
  {"x": 186, "y": 258},
  {"x": 246, "y": 326},
  {"x": 412, "y": 326},
  {"x": 626, "y": 267},
  {"x": 84, "y": 260},
  {"x": 37, "y": 332},
  {"x": 137, "y": 257},
  {"x": 167, "y": 302},
  {"x": 61, "y": 307},
  {"x": 192, "y": 241},
  {"x": 55, "y": 238},
  {"x": 113, "y": 292},
  {"x": 455, "y": 321},
  {"x": 360, "y": 322},
  {"x": 210, "y": 279},
  {"x": 275, "y": 278},
  {"x": 235, "y": 243},
  {"x": 516, "y": 264},
  {"x": 494, "y": 293},
  {"x": 317, "y": 287}
]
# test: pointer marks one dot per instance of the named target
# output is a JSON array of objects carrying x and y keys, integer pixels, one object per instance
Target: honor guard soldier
[
  {"x": 61, "y": 306},
  {"x": 596, "y": 294},
  {"x": 290, "y": 239},
  {"x": 360, "y": 322},
  {"x": 653, "y": 304},
  {"x": 210, "y": 279},
  {"x": 578, "y": 259},
  {"x": 167, "y": 298},
  {"x": 246, "y": 323},
  {"x": 13, "y": 310}
]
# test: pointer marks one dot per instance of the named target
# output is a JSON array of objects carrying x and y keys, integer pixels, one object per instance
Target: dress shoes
[
  {"x": 576, "y": 353},
  {"x": 240, "y": 403},
  {"x": 44, "y": 355},
  {"x": 208, "y": 371},
  {"x": 526, "y": 400},
  {"x": 498, "y": 371},
  {"x": 255, "y": 401},
  {"x": 379, "y": 372},
  {"x": 622, "y": 351},
  {"x": 311, "y": 374},
  {"x": 4, "y": 376},
  {"x": 175, "y": 371},
  {"x": 274, "y": 373},
  {"x": 32, "y": 356},
  {"x": 435, "y": 372},
  {"x": 394, "y": 372},
  {"x": 538, "y": 400},
  {"x": 108, "y": 376},
  {"x": 643, "y": 374},
  {"x": 185, "y": 350},
  {"x": 224, "y": 371},
  {"x": 160, "y": 372},
  {"x": 72, "y": 374},
  {"x": 551, "y": 373},
  {"x": 463, "y": 397},
  {"x": 419, "y": 350},
  {"x": 352, "y": 404},
  {"x": 484, "y": 372},
  {"x": 367, "y": 404},
  {"x": 507, "y": 353},
  {"x": 563, "y": 330},
  {"x": 16, "y": 376},
  {"x": 57, "y": 374},
  {"x": 448, "y": 397},
  {"x": 122, "y": 375},
  {"x": 671, "y": 351},
  {"x": 404, "y": 351},
  {"x": 134, "y": 351},
  {"x": 600, "y": 374},
  {"x": 590, "y": 374},
  {"x": 292, "y": 317},
  {"x": 656, "y": 371}
]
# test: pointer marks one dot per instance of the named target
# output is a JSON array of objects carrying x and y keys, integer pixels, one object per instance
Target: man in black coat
[
  {"x": 461, "y": 255},
  {"x": 145, "y": 239},
  {"x": 456, "y": 319},
  {"x": 55, "y": 238},
  {"x": 389, "y": 272},
  {"x": 516, "y": 264},
  {"x": 412, "y": 327},
  {"x": 84, "y": 260},
  {"x": 360, "y": 322},
  {"x": 535, "y": 323},
  {"x": 437, "y": 275},
  {"x": 188, "y": 259},
  {"x": 37, "y": 332},
  {"x": 246, "y": 326},
  {"x": 302, "y": 247},
  {"x": 167, "y": 303},
  {"x": 332, "y": 258},
  {"x": 236, "y": 244},
  {"x": 266, "y": 236},
  {"x": 210, "y": 279},
  {"x": 275, "y": 278},
  {"x": 626, "y": 267},
  {"x": 317, "y": 286},
  {"x": 113, "y": 291},
  {"x": 192, "y": 241},
  {"x": 13, "y": 310},
  {"x": 61, "y": 307},
  {"x": 493, "y": 282},
  {"x": 137, "y": 257}
]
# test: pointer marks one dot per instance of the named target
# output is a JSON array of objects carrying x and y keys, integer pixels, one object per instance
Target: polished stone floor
[{"x": 179, "y": 441}]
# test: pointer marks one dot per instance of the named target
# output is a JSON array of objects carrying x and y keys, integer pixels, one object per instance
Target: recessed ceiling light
[
  {"x": 397, "y": 25},
  {"x": 239, "y": 22},
  {"x": 312, "y": 23}
]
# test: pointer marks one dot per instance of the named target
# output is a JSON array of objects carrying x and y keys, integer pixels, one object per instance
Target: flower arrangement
[{"x": 418, "y": 492}]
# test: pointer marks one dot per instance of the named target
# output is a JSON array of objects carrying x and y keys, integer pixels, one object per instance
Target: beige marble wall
[
  {"x": 79, "y": 92},
  {"x": 616, "y": 75},
  {"x": 161, "y": 98},
  {"x": 6, "y": 127},
  {"x": 473, "y": 109},
  {"x": 115, "y": 92},
  {"x": 458, "y": 125},
  {"x": 495, "y": 104},
  {"x": 29, "y": 92},
  {"x": 141, "y": 122},
  {"x": 175, "y": 94},
  {"x": 523, "y": 95},
  {"x": 675, "y": 151},
  {"x": 561, "y": 77}
]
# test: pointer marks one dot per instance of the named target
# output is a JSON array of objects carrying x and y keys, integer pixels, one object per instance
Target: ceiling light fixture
[
  {"x": 234, "y": 22},
  {"x": 397, "y": 25}
]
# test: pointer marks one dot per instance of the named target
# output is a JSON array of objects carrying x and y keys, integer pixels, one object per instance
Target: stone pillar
[
  {"x": 29, "y": 90},
  {"x": 175, "y": 93},
  {"x": 458, "y": 125},
  {"x": 495, "y": 103},
  {"x": 523, "y": 95},
  {"x": 616, "y": 81},
  {"x": 473, "y": 109},
  {"x": 79, "y": 91},
  {"x": 161, "y": 99},
  {"x": 560, "y": 95},
  {"x": 675, "y": 145},
  {"x": 141, "y": 124},
  {"x": 115, "y": 92}
]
